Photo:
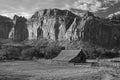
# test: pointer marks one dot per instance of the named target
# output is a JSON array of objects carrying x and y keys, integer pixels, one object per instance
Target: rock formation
[
  {"x": 51, "y": 24},
  {"x": 61, "y": 25},
  {"x": 5, "y": 26},
  {"x": 100, "y": 31},
  {"x": 19, "y": 31},
  {"x": 115, "y": 17}
]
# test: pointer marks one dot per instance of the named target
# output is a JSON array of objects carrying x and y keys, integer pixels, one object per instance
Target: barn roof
[{"x": 67, "y": 55}]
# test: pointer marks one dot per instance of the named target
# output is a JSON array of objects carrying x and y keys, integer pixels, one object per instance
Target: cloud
[
  {"x": 28, "y": 7},
  {"x": 11, "y": 15},
  {"x": 94, "y": 5}
]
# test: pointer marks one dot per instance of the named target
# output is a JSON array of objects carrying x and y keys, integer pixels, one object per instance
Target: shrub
[
  {"x": 109, "y": 54},
  {"x": 39, "y": 53},
  {"x": 31, "y": 52},
  {"x": 2, "y": 54},
  {"x": 95, "y": 54},
  {"x": 9, "y": 53},
  {"x": 43, "y": 49},
  {"x": 42, "y": 43},
  {"x": 52, "y": 50},
  {"x": 28, "y": 53},
  {"x": 12, "y": 53}
]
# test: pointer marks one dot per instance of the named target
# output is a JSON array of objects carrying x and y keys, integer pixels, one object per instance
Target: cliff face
[
  {"x": 100, "y": 31},
  {"x": 61, "y": 25},
  {"x": 5, "y": 27},
  {"x": 19, "y": 31},
  {"x": 52, "y": 24},
  {"x": 64, "y": 25}
]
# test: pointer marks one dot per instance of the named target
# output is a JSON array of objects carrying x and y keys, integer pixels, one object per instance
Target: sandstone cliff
[
  {"x": 5, "y": 26},
  {"x": 52, "y": 24},
  {"x": 100, "y": 31},
  {"x": 61, "y": 25},
  {"x": 19, "y": 30}
]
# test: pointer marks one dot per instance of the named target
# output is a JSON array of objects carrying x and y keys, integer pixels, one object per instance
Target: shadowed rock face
[
  {"x": 19, "y": 31},
  {"x": 5, "y": 26},
  {"x": 100, "y": 31}
]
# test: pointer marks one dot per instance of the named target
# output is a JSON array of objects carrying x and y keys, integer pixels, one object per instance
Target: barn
[{"x": 72, "y": 56}]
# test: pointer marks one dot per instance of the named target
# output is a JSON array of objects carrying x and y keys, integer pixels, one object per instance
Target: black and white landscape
[{"x": 60, "y": 40}]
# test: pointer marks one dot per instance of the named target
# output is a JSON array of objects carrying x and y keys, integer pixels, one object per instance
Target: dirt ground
[{"x": 32, "y": 70}]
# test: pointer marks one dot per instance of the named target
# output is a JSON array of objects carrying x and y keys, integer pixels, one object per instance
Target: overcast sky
[{"x": 28, "y": 7}]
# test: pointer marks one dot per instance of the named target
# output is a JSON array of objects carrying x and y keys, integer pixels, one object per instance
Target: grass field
[{"x": 31, "y": 70}]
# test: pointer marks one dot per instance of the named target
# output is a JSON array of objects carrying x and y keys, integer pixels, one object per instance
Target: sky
[{"x": 28, "y": 7}]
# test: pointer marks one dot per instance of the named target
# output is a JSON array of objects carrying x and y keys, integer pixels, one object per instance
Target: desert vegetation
[
  {"x": 10, "y": 53},
  {"x": 47, "y": 49},
  {"x": 92, "y": 51},
  {"x": 41, "y": 49}
]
